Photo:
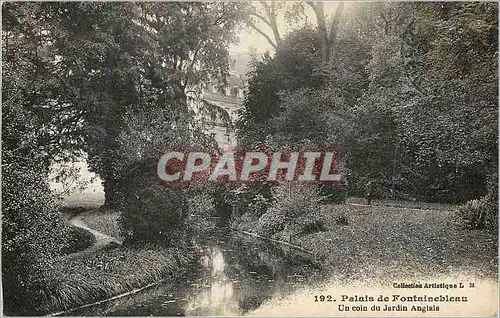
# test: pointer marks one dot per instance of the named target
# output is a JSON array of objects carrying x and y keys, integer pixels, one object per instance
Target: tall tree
[
  {"x": 430, "y": 92},
  {"x": 108, "y": 59}
]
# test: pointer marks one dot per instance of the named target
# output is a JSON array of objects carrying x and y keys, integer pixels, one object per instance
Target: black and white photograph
[{"x": 249, "y": 158}]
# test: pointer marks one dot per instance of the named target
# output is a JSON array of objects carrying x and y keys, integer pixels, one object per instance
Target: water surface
[{"x": 232, "y": 275}]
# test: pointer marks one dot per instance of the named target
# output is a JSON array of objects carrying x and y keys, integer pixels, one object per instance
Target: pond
[{"x": 233, "y": 275}]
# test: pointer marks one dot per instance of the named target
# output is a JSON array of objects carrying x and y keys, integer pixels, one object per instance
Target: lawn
[
  {"x": 104, "y": 221},
  {"x": 383, "y": 242},
  {"x": 75, "y": 281}
]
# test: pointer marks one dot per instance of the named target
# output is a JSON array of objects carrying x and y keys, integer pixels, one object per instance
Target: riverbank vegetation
[
  {"x": 375, "y": 242},
  {"x": 84, "y": 280},
  {"x": 75, "y": 281},
  {"x": 405, "y": 93}
]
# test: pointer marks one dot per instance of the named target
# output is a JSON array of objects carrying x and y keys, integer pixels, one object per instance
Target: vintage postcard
[{"x": 250, "y": 158}]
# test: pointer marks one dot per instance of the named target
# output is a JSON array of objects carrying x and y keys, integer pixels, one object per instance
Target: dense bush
[
  {"x": 483, "y": 212},
  {"x": 168, "y": 215},
  {"x": 79, "y": 240},
  {"x": 480, "y": 213},
  {"x": 252, "y": 198},
  {"x": 295, "y": 205},
  {"x": 33, "y": 233},
  {"x": 154, "y": 214},
  {"x": 203, "y": 208},
  {"x": 152, "y": 211}
]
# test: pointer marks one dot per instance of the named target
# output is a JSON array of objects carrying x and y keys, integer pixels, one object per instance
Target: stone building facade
[{"x": 219, "y": 110}]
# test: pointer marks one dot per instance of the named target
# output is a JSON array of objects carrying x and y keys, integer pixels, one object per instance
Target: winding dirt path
[{"x": 101, "y": 240}]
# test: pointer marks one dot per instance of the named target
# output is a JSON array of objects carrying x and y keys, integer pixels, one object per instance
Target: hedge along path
[{"x": 277, "y": 241}]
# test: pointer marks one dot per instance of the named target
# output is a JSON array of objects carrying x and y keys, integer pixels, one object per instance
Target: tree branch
[
  {"x": 386, "y": 25},
  {"x": 255, "y": 14},
  {"x": 191, "y": 66},
  {"x": 252, "y": 25},
  {"x": 271, "y": 14},
  {"x": 318, "y": 9}
]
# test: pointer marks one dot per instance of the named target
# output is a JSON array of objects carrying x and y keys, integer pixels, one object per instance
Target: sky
[{"x": 250, "y": 39}]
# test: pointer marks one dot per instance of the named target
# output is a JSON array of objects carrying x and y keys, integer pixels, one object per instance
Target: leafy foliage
[
  {"x": 423, "y": 128},
  {"x": 409, "y": 98},
  {"x": 295, "y": 205},
  {"x": 88, "y": 65},
  {"x": 33, "y": 233},
  {"x": 76, "y": 76},
  {"x": 169, "y": 214}
]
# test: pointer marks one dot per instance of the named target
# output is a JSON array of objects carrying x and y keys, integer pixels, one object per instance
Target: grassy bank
[
  {"x": 378, "y": 243},
  {"x": 75, "y": 281},
  {"x": 103, "y": 221}
]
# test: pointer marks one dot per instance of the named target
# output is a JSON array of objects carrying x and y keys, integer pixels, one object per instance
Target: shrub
[
  {"x": 201, "y": 208},
  {"x": 252, "y": 198},
  {"x": 166, "y": 214},
  {"x": 79, "y": 240},
  {"x": 480, "y": 213},
  {"x": 154, "y": 214},
  {"x": 294, "y": 204},
  {"x": 271, "y": 223},
  {"x": 33, "y": 233}
]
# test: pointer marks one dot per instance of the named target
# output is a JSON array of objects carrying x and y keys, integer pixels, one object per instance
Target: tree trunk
[
  {"x": 112, "y": 129},
  {"x": 327, "y": 40},
  {"x": 110, "y": 193},
  {"x": 334, "y": 31},
  {"x": 319, "y": 12},
  {"x": 110, "y": 147}
]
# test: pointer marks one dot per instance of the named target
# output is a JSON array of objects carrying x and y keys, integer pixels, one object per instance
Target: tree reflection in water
[{"x": 218, "y": 298}]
